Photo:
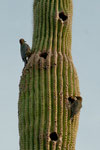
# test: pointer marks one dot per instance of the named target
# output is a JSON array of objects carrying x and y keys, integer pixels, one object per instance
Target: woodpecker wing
[
  {"x": 28, "y": 52},
  {"x": 75, "y": 108},
  {"x": 24, "y": 48}
]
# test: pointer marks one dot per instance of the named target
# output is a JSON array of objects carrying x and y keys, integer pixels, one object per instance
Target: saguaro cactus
[{"x": 48, "y": 80}]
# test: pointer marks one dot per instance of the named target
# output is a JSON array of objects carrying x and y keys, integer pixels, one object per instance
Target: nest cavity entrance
[
  {"x": 54, "y": 136},
  {"x": 62, "y": 16}
]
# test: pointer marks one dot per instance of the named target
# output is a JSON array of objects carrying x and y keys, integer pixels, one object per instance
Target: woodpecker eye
[
  {"x": 62, "y": 16},
  {"x": 54, "y": 136}
]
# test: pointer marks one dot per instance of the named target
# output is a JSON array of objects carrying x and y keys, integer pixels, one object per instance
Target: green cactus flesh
[{"x": 47, "y": 81}]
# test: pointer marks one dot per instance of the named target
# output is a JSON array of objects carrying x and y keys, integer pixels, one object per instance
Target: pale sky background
[{"x": 15, "y": 22}]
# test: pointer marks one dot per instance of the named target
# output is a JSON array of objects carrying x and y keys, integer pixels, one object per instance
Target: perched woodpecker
[
  {"x": 25, "y": 50},
  {"x": 75, "y": 105}
]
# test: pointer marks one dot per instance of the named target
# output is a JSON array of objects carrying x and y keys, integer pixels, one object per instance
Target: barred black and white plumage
[
  {"x": 75, "y": 105},
  {"x": 24, "y": 50}
]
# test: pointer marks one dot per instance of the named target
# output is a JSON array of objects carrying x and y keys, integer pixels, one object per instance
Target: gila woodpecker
[
  {"x": 75, "y": 105},
  {"x": 25, "y": 50}
]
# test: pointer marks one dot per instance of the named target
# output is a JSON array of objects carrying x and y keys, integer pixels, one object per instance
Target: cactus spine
[{"x": 48, "y": 80}]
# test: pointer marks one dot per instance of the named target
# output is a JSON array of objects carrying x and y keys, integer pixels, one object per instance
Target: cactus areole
[{"x": 48, "y": 80}]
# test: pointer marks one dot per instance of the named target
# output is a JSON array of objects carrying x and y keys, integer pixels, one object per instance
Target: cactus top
[{"x": 52, "y": 26}]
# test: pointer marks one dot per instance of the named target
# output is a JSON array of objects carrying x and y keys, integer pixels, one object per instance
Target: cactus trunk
[{"x": 47, "y": 81}]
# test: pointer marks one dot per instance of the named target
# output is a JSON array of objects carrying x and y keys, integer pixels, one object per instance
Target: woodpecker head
[
  {"x": 22, "y": 41},
  {"x": 79, "y": 98}
]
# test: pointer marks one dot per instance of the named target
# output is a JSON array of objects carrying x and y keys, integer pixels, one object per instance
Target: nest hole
[
  {"x": 62, "y": 16},
  {"x": 54, "y": 136},
  {"x": 71, "y": 100},
  {"x": 44, "y": 55}
]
